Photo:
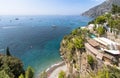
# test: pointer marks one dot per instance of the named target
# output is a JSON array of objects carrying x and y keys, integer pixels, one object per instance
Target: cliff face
[
  {"x": 73, "y": 53},
  {"x": 81, "y": 63},
  {"x": 79, "y": 66},
  {"x": 101, "y": 9}
]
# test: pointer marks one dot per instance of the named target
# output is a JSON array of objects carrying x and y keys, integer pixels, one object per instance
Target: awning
[{"x": 114, "y": 52}]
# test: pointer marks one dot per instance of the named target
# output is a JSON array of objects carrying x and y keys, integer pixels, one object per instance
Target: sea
[{"x": 36, "y": 39}]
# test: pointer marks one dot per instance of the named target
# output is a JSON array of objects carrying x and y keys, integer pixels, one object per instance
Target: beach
[{"x": 54, "y": 70}]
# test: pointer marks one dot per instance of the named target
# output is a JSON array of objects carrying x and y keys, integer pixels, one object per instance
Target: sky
[{"x": 46, "y": 7}]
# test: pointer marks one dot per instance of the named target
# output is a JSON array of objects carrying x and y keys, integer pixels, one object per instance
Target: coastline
[{"x": 54, "y": 67}]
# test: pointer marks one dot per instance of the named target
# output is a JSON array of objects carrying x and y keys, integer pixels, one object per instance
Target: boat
[
  {"x": 31, "y": 18},
  {"x": 54, "y": 26},
  {"x": 10, "y": 20},
  {"x": 16, "y": 18}
]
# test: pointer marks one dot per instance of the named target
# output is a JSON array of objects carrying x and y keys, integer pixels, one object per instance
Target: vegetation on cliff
[
  {"x": 72, "y": 52},
  {"x": 115, "y": 9},
  {"x": 43, "y": 74},
  {"x": 101, "y": 9},
  {"x": 62, "y": 74},
  {"x": 79, "y": 63},
  {"x": 72, "y": 48},
  {"x": 100, "y": 30},
  {"x": 12, "y": 67},
  {"x": 90, "y": 59},
  {"x": 111, "y": 20},
  {"x": 107, "y": 72}
]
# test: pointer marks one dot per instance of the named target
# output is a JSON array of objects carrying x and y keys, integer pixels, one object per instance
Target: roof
[
  {"x": 108, "y": 56},
  {"x": 93, "y": 50},
  {"x": 108, "y": 41},
  {"x": 100, "y": 56},
  {"x": 114, "y": 52},
  {"x": 93, "y": 42},
  {"x": 105, "y": 41},
  {"x": 100, "y": 41}
]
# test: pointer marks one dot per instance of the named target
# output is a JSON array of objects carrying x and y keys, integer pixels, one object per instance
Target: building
[{"x": 104, "y": 50}]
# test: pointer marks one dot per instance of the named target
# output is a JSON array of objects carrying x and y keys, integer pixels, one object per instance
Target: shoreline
[{"x": 52, "y": 68}]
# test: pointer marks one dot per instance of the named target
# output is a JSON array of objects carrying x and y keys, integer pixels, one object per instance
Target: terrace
[{"x": 104, "y": 49}]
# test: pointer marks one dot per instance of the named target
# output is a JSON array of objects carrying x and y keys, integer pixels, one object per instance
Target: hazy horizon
[{"x": 46, "y": 7}]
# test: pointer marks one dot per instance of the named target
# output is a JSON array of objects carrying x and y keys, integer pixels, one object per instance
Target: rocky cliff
[
  {"x": 80, "y": 63},
  {"x": 73, "y": 52},
  {"x": 101, "y": 9}
]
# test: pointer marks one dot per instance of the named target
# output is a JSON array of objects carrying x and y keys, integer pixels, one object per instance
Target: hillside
[
  {"x": 80, "y": 62},
  {"x": 82, "y": 53},
  {"x": 101, "y": 9}
]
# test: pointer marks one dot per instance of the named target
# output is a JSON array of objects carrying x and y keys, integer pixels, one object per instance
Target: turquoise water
[{"x": 34, "y": 40}]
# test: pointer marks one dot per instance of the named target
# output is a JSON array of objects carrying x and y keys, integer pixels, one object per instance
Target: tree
[
  {"x": 104, "y": 73},
  {"x": 90, "y": 59},
  {"x": 107, "y": 72},
  {"x": 78, "y": 42},
  {"x": 74, "y": 32},
  {"x": 21, "y": 76},
  {"x": 62, "y": 74},
  {"x": 3, "y": 74},
  {"x": 29, "y": 72},
  {"x": 43, "y": 75},
  {"x": 100, "y": 19},
  {"x": 108, "y": 16},
  {"x": 115, "y": 9},
  {"x": 8, "y": 52},
  {"x": 11, "y": 65},
  {"x": 100, "y": 30}
]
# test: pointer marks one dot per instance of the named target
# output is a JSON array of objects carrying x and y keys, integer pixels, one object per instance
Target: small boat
[
  {"x": 10, "y": 20},
  {"x": 54, "y": 26},
  {"x": 31, "y": 18},
  {"x": 16, "y": 18}
]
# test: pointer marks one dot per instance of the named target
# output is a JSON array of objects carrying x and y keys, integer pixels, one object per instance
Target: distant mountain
[{"x": 101, "y": 9}]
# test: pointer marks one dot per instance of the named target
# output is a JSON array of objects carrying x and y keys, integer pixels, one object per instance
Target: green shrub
[
  {"x": 12, "y": 66},
  {"x": 100, "y": 30},
  {"x": 43, "y": 74},
  {"x": 101, "y": 19},
  {"x": 29, "y": 72},
  {"x": 90, "y": 59},
  {"x": 62, "y": 74},
  {"x": 21, "y": 76}
]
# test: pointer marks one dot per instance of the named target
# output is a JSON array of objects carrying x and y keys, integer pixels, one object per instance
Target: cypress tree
[{"x": 8, "y": 52}]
